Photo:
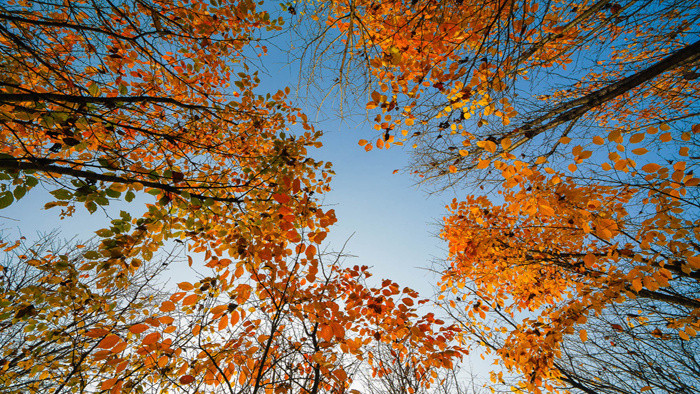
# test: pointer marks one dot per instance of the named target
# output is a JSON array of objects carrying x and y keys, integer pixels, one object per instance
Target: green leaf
[
  {"x": 19, "y": 192},
  {"x": 104, "y": 233},
  {"x": 129, "y": 197},
  {"x": 31, "y": 181},
  {"x": 6, "y": 199},
  {"x": 62, "y": 194},
  {"x": 112, "y": 193},
  {"x": 94, "y": 90},
  {"x": 91, "y": 206},
  {"x": 91, "y": 254},
  {"x": 101, "y": 200}
]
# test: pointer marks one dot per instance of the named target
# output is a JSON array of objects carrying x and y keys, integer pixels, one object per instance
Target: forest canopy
[{"x": 567, "y": 130}]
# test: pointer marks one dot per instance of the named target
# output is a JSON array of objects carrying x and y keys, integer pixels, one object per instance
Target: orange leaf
[
  {"x": 97, "y": 333},
  {"x": 234, "y": 317},
  {"x": 651, "y": 167},
  {"x": 326, "y": 333},
  {"x": 190, "y": 300},
  {"x": 108, "y": 384},
  {"x": 151, "y": 338},
  {"x": 639, "y": 137},
  {"x": 167, "y": 306},
  {"x": 281, "y": 198},
  {"x": 109, "y": 341},
  {"x": 310, "y": 252},
  {"x": 219, "y": 309},
  {"x": 121, "y": 346},
  {"x": 223, "y": 322},
  {"x": 186, "y": 286},
  {"x": 362, "y": 142},
  {"x": 138, "y": 328},
  {"x": 483, "y": 164}
]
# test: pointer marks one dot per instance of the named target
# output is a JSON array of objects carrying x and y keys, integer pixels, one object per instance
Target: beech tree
[
  {"x": 54, "y": 320},
  {"x": 104, "y": 101},
  {"x": 582, "y": 119}
]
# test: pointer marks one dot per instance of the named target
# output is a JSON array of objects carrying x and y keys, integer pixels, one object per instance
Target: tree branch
[{"x": 17, "y": 164}]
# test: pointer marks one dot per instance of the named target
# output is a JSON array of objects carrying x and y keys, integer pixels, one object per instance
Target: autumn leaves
[{"x": 580, "y": 118}]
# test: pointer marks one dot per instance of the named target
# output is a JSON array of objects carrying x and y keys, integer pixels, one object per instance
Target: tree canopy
[
  {"x": 579, "y": 121},
  {"x": 571, "y": 126}
]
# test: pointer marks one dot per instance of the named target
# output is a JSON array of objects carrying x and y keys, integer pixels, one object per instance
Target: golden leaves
[
  {"x": 583, "y": 335},
  {"x": 489, "y": 146}
]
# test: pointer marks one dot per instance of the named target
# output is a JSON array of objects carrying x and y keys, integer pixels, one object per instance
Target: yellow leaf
[
  {"x": 483, "y": 164},
  {"x": 506, "y": 143}
]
